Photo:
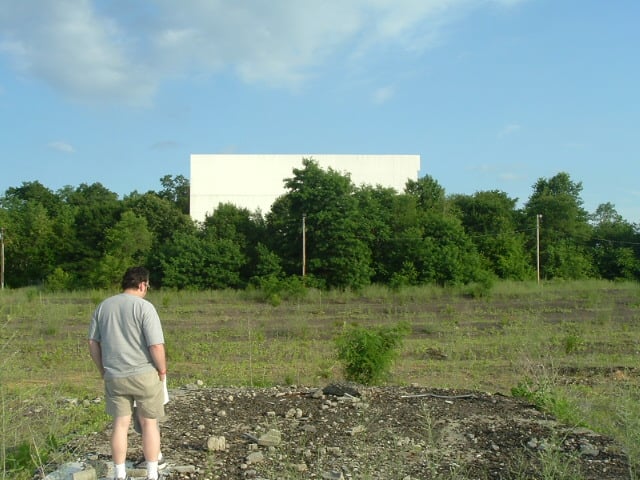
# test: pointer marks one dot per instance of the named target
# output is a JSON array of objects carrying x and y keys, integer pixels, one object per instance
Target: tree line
[{"x": 324, "y": 232}]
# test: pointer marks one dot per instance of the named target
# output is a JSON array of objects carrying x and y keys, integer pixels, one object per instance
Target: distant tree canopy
[{"x": 346, "y": 236}]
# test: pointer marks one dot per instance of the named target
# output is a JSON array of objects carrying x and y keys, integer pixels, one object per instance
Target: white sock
[
  {"x": 152, "y": 470},
  {"x": 160, "y": 456},
  {"x": 121, "y": 471}
]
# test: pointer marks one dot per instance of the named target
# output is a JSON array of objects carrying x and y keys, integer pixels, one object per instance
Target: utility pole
[
  {"x": 538, "y": 217},
  {"x": 304, "y": 244},
  {"x": 1, "y": 258}
]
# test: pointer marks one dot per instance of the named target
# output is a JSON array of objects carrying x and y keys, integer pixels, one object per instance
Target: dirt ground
[{"x": 352, "y": 432}]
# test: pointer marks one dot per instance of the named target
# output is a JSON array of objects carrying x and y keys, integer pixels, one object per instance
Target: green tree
[
  {"x": 337, "y": 256},
  {"x": 564, "y": 232},
  {"x": 240, "y": 226},
  {"x": 377, "y": 207},
  {"x": 615, "y": 244},
  {"x": 32, "y": 192},
  {"x": 177, "y": 190},
  {"x": 490, "y": 220},
  {"x": 96, "y": 209},
  {"x": 126, "y": 243},
  {"x": 428, "y": 192},
  {"x": 190, "y": 261},
  {"x": 29, "y": 244},
  {"x": 41, "y": 233},
  {"x": 448, "y": 256},
  {"x": 164, "y": 218}
]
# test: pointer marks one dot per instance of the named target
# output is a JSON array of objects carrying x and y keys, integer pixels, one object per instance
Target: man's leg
[
  {"x": 150, "y": 444},
  {"x": 119, "y": 439}
]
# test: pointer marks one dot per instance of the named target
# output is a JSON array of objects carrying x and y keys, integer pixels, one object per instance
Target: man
[{"x": 126, "y": 343}]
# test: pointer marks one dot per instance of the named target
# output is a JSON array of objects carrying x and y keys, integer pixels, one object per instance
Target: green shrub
[
  {"x": 573, "y": 341},
  {"x": 545, "y": 397},
  {"x": 367, "y": 353},
  {"x": 27, "y": 456},
  {"x": 539, "y": 395},
  {"x": 273, "y": 290},
  {"x": 58, "y": 281}
]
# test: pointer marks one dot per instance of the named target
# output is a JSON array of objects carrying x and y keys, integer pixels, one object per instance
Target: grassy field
[{"x": 572, "y": 347}]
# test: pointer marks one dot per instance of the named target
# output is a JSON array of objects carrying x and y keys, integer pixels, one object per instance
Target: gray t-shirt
[{"x": 126, "y": 325}]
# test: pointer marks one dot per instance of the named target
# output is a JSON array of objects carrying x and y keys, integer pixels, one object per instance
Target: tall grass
[{"x": 571, "y": 346}]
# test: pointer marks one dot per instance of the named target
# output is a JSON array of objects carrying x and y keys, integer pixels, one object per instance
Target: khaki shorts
[{"x": 145, "y": 389}]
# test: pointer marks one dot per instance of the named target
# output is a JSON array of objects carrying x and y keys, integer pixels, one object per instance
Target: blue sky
[{"x": 493, "y": 94}]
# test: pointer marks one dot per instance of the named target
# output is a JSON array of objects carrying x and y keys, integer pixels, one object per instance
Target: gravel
[{"x": 342, "y": 432}]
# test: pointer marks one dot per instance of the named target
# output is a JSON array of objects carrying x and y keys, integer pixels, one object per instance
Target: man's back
[{"x": 126, "y": 325}]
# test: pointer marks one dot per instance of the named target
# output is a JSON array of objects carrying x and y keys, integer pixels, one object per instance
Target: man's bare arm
[
  {"x": 159, "y": 359},
  {"x": 95, "y": 350}
]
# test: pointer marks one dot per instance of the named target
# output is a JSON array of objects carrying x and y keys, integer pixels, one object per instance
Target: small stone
[
  {"x": 333, "y": 475},
  {"x": 290, "y": 413},
  {"x": 270, "y": 439},
  {"x": 357, "y": 429},
  {"x": 88, "y": 474},
  {"x": 255, "y": 457},
  {"x": 216, "y": 444},
  {"x": 337, "y": 451},
  {"x": 184, "y": 469},
  {"x": 589, "y": 450}
]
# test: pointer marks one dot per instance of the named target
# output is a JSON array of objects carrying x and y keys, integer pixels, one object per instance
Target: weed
[
  {"x": 367, "y": 353},
  {"x": 550, "y": 463},
  {"x": 573, "y": 341}
]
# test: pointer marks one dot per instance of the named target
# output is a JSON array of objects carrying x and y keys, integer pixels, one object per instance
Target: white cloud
[
  {"x": 71, "y": 47},
  {"x": 122, "y": 51},
  {"x": 61, "y": 147},
  {"x": 510, "y": 176},
  {"x": 383, "y": 95},
  {"x": 509, "y": 130}
]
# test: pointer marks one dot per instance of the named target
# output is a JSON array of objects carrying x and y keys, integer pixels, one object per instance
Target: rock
[
  {"x": 588, "y": 450},
  {"x": 270, "y": 439},
  {"x": 66, "y": 471},
  {"x": 340, "y": 390},
  {"x": 88, "y": 474},
  {"x": 185, "y": 469},
  {"x": 309, "y": 428},
  {"x": 255, "y": 457},
  {"x": 333, "y": 475},
  {"x": 357, "y": 429},
  {"x": 216, "y": 444}
]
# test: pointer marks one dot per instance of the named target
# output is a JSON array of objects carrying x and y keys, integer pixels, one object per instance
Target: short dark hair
[{"x": 134, "y": 276}]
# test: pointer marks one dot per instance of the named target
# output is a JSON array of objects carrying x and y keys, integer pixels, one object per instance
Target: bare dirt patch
[{"x": 378, "y": 433}]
